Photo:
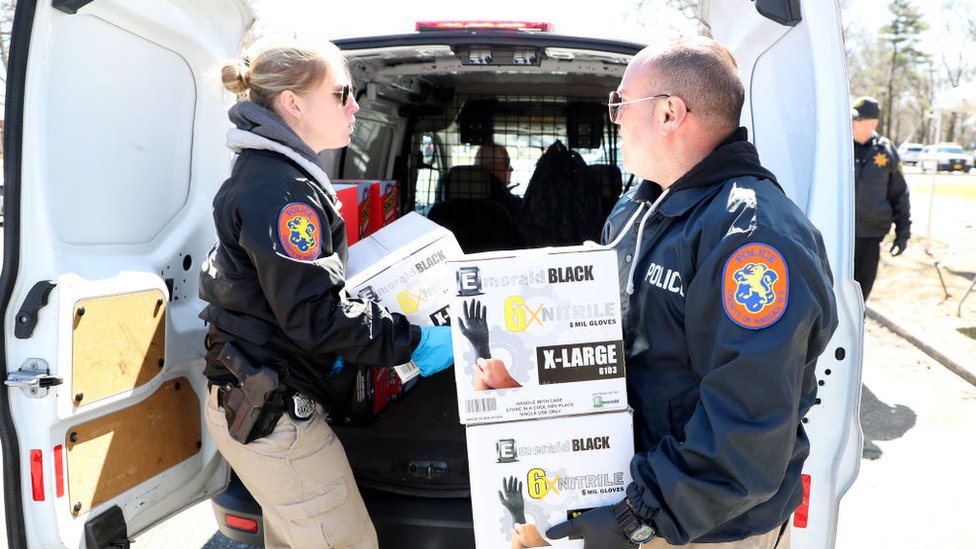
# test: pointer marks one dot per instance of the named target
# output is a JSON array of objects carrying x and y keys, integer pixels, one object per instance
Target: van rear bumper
[{"x": 408, "y": 522}]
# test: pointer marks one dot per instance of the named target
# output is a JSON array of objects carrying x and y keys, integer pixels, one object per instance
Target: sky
[
  {"x": 616, "y": 19},
  {"x": 609, "y": 18}
]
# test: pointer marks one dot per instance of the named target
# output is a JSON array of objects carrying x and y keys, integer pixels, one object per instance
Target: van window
[
  {"x": 525, "y": 125},
  {"x": 372, "y": 149},
  {"x": 429, "y": 170}
]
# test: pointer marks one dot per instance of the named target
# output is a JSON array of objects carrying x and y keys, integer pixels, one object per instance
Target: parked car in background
[
  {"x": 945, "y": 157},
  {"x": 909, "y": 152}
]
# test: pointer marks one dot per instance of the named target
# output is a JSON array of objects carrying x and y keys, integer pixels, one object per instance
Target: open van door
[
  {"x": 113, "y": 149},
  {"x": 792, "y": 61}
]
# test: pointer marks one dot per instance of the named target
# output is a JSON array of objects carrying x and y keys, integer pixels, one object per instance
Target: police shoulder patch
[
  {"x": 299, "y": 231},
  {"x": 755, "y": 286}
]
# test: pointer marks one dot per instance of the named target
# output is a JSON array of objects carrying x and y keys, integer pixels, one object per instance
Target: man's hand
[
  {"x": 598, "y": 527},
  {"x": 511, "y": 497},
  {"x": 898, "y": 247},
  {"x": 474, "y": 326},
  {"x": 491, "y": 373}
]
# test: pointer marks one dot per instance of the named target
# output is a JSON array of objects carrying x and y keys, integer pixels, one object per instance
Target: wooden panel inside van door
[
  {"x": 117, "y": 344},
  {"x": 113, "y": 453}
]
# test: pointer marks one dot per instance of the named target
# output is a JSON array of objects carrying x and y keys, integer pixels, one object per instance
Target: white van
[{"x": 114, "y": 148}]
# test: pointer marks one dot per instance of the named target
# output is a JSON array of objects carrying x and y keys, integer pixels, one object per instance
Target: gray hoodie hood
[{"x": 259, "y": 128}]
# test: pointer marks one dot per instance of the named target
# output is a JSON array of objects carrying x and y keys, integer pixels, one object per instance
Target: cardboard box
[
  {"x": 404, "y": 267},
  {"x": 374, "y": 388},
  {"x": 384, "y": 195},
  {"x": 354, "y": 210},
  {"x": 558, "y": 467},
  {"x": 554, "y": 338}
]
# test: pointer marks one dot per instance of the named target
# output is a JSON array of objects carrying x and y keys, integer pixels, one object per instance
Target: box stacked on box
[
  {"x": 539, "y": 366},
  {"x": 552, "y": 324},
  {"x": 552, "y": 469},
  {"x": 383, "y": 201},
  {"x": 354, "y": 209}
]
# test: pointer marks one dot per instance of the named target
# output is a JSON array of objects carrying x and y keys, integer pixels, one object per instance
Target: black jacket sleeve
[{"x": 898, "y": 197}]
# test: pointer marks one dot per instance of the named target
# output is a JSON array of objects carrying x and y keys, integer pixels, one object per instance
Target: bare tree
[
  {"x": 7, "y": 8},
  {"x": 957, "y": 64},
  {"x": 682, "y": 10}
]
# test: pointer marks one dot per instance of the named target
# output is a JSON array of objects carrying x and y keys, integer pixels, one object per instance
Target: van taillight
[
  {"x": 802, "y": 513},
  {"x": 59, "y": 471},
  {"x": 484, "y": 25},
  {"x": 37, "y": 474},
  {"x": 241, "y": 523}
]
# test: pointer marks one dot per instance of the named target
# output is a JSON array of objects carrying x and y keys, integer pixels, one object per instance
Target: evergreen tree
[{"x": 900, "y": 38}]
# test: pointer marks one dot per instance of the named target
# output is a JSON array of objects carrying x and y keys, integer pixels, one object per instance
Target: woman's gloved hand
[{"x": 435, "y": 352}]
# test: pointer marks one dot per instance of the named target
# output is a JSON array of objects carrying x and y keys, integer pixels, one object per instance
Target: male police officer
[
  {"x": 720, "y": 368},
  {"x": 880, "y": 192}
]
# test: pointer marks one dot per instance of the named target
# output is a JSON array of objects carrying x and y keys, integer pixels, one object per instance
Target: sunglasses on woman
[{"x": 342, "y": 94}]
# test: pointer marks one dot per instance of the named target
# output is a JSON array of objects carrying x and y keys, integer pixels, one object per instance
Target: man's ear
[{"x": 673, "y": 114}]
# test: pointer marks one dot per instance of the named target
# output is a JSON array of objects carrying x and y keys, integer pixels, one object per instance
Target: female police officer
[{"x": 274, "y": 282}]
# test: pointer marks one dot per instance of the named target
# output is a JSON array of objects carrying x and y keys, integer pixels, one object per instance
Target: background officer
[{"x": 880, "y": 192}]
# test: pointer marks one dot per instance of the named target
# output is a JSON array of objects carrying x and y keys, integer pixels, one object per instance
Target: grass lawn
[{"x": 964, "y": 190}]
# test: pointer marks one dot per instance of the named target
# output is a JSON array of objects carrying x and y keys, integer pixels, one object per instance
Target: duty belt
[{"x": 300, "y": 407}]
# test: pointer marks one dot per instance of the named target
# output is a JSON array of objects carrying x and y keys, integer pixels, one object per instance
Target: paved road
[{"x": 915, "y": 487}]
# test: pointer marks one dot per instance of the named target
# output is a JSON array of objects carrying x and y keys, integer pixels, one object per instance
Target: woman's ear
[{"x": 289, "y": 104}]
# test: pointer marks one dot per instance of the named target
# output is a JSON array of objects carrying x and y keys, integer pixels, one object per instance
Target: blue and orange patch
[
  {"x": 755, "y": 286},
  {"x": 299, "y": 231}
]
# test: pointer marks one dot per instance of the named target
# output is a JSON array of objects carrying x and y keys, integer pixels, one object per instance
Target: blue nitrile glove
[
  {"x": 337, "y": 366},
  {"x": 435, "y": 352}
]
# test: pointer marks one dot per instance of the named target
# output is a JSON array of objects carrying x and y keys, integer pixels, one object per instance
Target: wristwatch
[{"x": 636, "y": 530}]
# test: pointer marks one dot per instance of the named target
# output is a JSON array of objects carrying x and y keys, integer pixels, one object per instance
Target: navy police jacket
[
  {"x": 727, "y": 302},
  {"x": 880, "y": 191},
  {"x": 275, "y": 279}
]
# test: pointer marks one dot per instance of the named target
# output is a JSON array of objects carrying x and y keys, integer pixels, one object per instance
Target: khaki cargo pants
[
  {"x": 761, "y": 541},
  {"x": 301, "y": 477}
]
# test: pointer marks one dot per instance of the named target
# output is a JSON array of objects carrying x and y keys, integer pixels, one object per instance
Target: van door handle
[
  {"x": 27, "y": 316},
  {"x": 427, "y": 469},
  {"x": 33, "y": 378}
]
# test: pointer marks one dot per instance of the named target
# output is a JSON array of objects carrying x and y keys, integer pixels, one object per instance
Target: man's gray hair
[{"x": 705, "y": 75}]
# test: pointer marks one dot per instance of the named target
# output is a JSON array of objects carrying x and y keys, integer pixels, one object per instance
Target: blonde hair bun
[{"x": 235, "y": 76}]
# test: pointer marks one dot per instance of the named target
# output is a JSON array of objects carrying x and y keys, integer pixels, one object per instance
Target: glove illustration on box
[
  {"x": 524, "y": 535},
  {"x": 489, "y": 373}
]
